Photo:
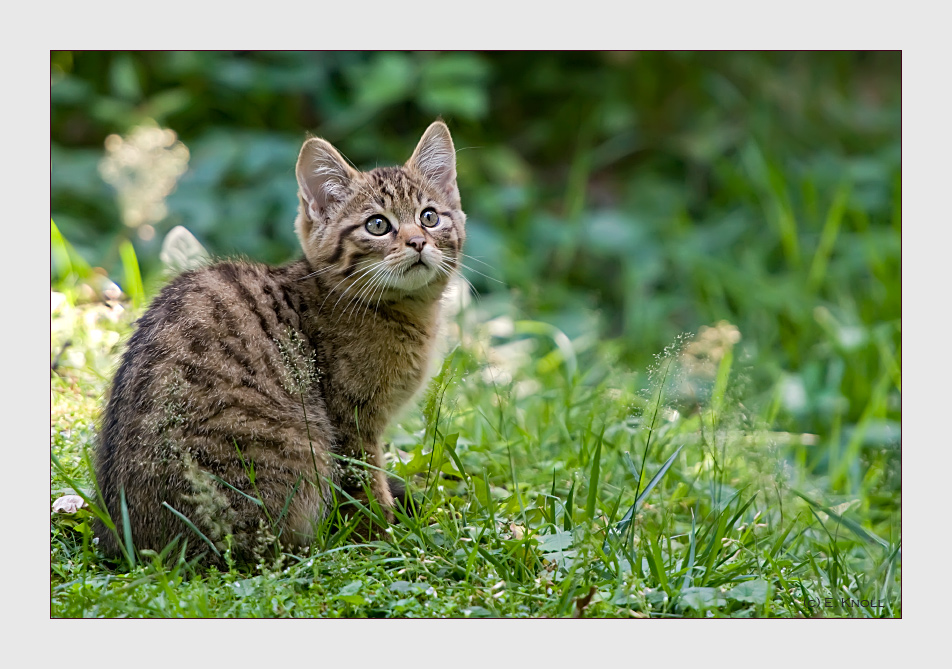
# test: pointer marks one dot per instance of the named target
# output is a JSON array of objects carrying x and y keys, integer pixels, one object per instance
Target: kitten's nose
[{"x": 417, "y": 242}]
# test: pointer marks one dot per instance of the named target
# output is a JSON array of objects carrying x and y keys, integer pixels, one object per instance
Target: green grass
[
  {"x": 543, "y": 493},
  {"x": 620, "y": 199}
]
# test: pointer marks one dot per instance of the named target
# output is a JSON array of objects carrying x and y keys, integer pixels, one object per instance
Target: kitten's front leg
[{"x": 381, "y": 487}]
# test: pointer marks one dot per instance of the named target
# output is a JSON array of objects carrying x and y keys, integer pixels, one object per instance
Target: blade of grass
[
  {"x": 127, "y": 529},
  {"x": 566, "y": 352},
  {"x": 692, "y": 551},
  {"x": 449, "y": 444},
  {"x": 875, "y": 406},
  {"x": 851, "y": 525},
  {"x": 225, "y": 483},
  {"x": 656, "y": 563},
  {"x": 720, "y": 384},
  {"x": 831, "y": 230},
  {"x": 654, "y": 418},
  {"x": 744, "y": 507},
  {"x": 133, "y": 277},
  {"x": 714, "y": 547},
  {"x": 778, "y": 543},
  {"x": 90, "y": 502},
  {"x": 625, "y": 522},
  {"x": 490, "y": 504},
  {"x": 567, "y": 519},
  {"x": 191, "y": 526},
  {"x": 287, "y": 502},
  {"x": 593, "y": 479}
]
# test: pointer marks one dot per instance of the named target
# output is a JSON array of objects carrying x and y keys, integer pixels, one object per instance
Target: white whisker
[
  {"x": 316, "y": 272},
  {"x": 383, "y": 284},
  {"x": 466, "y": 255},
  {"x": 448, "y": 271},
  {"x": 354, "y": 278},
  {"x": 383, "y": 287},
  {"x": 502, "y": 283},
  {"x": 363, "y": 298},
  {"x": 366, "y": 292},
  {"x": 351, "y": 307}
]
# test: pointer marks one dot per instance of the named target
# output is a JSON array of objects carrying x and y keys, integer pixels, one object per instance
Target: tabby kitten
[{"x": 246, "y": 381}]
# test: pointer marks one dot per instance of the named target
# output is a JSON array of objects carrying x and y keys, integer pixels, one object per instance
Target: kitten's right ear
[
  {"x": 323, "y": 177},
  {"x": 435, "y": 158}
]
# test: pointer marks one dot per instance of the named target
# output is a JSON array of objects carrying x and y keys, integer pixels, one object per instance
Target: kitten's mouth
[{"x": 416, "y": 273}]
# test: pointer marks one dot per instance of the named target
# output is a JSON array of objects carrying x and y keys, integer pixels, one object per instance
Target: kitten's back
[{"x": 214, "y": 382}]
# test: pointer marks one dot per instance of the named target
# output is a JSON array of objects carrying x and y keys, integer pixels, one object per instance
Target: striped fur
[{"x": 244, "y": 381}]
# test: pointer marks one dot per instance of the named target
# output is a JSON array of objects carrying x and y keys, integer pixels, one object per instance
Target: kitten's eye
[
  {"x": 429, "y": 218},
  {"x": 377, "y": 225}
]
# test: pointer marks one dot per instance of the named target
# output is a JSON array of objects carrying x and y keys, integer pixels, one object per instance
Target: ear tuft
[
  {"x": 323, "y": 177},
  {"x": 435, "y": 158}
]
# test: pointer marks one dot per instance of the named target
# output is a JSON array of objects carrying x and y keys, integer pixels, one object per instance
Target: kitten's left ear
[{"x": 435, "y": 158}]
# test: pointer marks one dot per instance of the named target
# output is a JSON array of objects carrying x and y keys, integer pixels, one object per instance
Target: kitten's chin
[{"x": 415, "y": 278}]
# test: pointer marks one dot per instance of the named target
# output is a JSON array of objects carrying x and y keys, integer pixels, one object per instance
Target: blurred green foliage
[{"x": 642, "y": 194}]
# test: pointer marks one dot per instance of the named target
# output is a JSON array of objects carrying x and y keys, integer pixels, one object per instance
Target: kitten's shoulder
[
  {"x": 233, "y": 274},
  {"x": 244, "y": 297}
]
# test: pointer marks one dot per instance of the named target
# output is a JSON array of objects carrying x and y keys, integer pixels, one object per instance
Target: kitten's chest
[{"x": 378, "y": 367}]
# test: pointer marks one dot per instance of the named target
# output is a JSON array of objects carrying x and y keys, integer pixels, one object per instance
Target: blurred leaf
[
  {"x": 351, "y": 588},
  {"x": 503, "y": 164},
  {"x": 167, "y": 103},
  {"x": 477, "y": 612},
  {"x": 455, "y": 85},
  {"x": 75, "y": 172},
  {"x": 240, "y": 74},
  {"x": 701, "y": 599},
  {"x": 613, "y": 233},
  {"x": 70, "y": 90},
  {"x": 124, "y": 79},
  {"x": 559, "y": 541},
  {"x": 754, "y": 591},
  {"x": 386, "y": 79}
]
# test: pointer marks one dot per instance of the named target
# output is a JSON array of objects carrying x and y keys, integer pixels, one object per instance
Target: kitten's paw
[{"x": 403, "y": 498}]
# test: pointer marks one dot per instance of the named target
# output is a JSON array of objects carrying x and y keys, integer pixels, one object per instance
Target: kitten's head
[{"x": 388, "y": 232}]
